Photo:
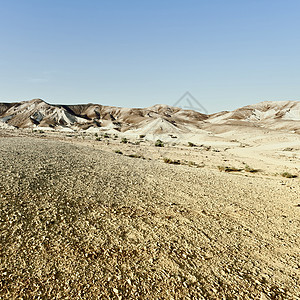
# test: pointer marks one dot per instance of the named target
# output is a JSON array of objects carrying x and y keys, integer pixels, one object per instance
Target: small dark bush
[
  {"x": 251, "y": 170},
  {"x": 170, "y": 161},
  {"x": 159, "y": 143},
  {"x": 288, "y": 175},
  {"x": 135, "y": 156},
  {"x": 228, "y": 169}
]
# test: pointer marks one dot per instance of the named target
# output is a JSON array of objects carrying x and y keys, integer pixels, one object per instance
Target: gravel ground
[{"x": 81, "y": 223}]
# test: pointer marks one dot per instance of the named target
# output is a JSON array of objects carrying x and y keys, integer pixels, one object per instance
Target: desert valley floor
[{"x": 86, "y": 217}]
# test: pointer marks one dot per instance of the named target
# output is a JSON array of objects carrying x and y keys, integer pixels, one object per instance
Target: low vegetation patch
[
  {"x": 170, "y": 161},
  {"x": 135, "y": 156},
  {"x": 288, "y": 175},
  {"x": 206, "y": 148},
  {"x": 118, "y": 152},
  {"x": 251, "y": 170},
  {"x": 124, "y": 141},
  {"x": 190, "y": 144},
  {"x": 159, "y": 143},
  {"x": 182, "y": 162},
  {"x": 228, "y": 169},
  {"x": 98, "y": 138}
]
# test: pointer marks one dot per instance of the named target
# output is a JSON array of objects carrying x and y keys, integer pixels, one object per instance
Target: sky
[{"x": 135, "y": 53}]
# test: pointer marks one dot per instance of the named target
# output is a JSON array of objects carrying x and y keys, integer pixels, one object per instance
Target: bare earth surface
[{"x": 78, "y": 221}]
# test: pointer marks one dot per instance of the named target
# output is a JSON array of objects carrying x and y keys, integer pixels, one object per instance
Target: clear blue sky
[{"x": 138, "y": 53}]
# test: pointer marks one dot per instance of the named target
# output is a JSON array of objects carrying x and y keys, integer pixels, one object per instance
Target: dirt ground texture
[{"x": 78, "y": 221}]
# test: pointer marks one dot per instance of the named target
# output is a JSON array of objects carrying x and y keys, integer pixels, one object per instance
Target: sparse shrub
[
  {"x": 118, "y": 152},
  {"x": 135, "y": 156},
  {"x": 228, "y": 169},
  {"x": 191, "y": 163},
  {"x": 96, "y": 134},
  {"x": 249, "y": 169},
  {"x": 167, "y": 160},
  {"x": 288, "y": 175},
  {"x": 106, "y": 135},
  {"x": 190, "y": 144},
  {"x": 124, "y": 141},
  {"x": 206, "y": 148},
  {"x": 98, "y": 139},
  {"x": 170, "y": 161},
  {"x": 159, "y": 143},
  {"x": 142, "y": 136}
]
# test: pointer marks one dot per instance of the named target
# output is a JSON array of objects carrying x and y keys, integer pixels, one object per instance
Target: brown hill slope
[
  {"x": 270, "y": 114},
  {"x": 28, "y": 114},
  {"x": 284, "y": 115}
]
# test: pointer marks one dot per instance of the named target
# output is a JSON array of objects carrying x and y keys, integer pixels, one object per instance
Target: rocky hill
[
  {"x": 270, "y": 114},
  {"x": 36, "y": 113}
]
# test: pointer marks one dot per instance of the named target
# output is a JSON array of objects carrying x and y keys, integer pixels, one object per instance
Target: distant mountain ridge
[
  {"x": 38, "y": 113},
  {"x": 283, "y": 115},
  {"x": 156, "y": 119}
]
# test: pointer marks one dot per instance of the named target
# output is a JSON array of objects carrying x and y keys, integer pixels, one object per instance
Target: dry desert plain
[{"x": 85, "y": 216}]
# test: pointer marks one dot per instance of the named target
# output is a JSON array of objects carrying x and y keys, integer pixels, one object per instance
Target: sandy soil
[{"x": 79, "y": 221}]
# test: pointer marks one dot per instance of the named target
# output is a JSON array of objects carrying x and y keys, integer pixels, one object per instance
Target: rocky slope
[{"x": 80, "y": 223}]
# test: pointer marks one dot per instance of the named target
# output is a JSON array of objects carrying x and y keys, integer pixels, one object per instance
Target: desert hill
[
  {"x": 270, "y": 114},
  {"x": 157, "y": 119},
  {"x": 37, "y": 113}
]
